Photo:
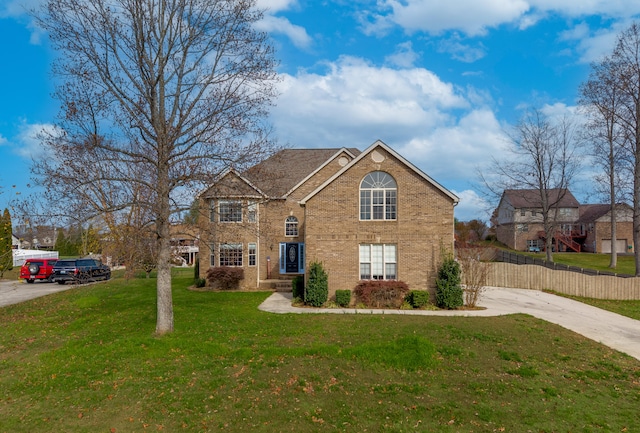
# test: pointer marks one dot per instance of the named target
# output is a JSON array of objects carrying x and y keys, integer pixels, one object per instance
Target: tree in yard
[
  {"x": 158, "y": 96},
  {"x": 542, "y": 159},
  {"x": 623, "y": 74},
  {"x": 601, "y": 103},
  {"x": 6, "y": 249}
]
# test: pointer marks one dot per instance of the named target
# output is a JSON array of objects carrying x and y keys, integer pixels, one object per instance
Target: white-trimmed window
[
  {"x": 378, "y": 197},
  {"x": 212, "y": 256},
  {"x": 252, "y": 211},
  {"x": 291, "y": 226},
  {"x": 253, "y": 248},
  {"x": 230, "y": 211},
  {"x": 378, "y": 262},
  {"x": 230, "y": 254}
]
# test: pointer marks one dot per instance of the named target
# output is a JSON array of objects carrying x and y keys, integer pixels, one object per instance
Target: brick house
[
  {"x": 580, "y": 227},
  {"x": 597, "y": 221},
  {"x": 363, "y": 215}
]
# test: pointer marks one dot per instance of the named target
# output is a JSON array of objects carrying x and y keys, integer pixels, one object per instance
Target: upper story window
[
  {"x": 291, "y": 226},
  {"x": 230, "y": 211},
  {"x": 252, "y": 212},
  {"x": 378, "y": 197}
]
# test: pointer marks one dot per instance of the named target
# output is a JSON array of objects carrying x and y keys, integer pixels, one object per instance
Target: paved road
[
  {"x": 16, "y": 291},
  {"x": 613, "y": 330}
]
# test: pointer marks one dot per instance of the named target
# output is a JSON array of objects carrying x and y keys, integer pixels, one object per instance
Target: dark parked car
[
  {"x": 80, "y": 271},
  {"x": 37, "y": 269}
]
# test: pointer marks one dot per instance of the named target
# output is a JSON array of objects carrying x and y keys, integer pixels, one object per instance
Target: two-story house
[
  {"x": 518, "y": 218},
  {"x": 578, "y": 227},
  {"x": 363, "y": 215}
]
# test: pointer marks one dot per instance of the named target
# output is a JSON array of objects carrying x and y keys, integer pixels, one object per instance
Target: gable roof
[
  {"x": 380, "y": 143},
  {"x": 230, "y": 183},
  {"x": 592, "y": 212},
  {"x": 530, "y": 198},
  {"x": 281, "y": 173}
]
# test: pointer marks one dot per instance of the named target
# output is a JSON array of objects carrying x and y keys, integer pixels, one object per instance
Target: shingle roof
[
  {"x": 530, "y": 198},
  {"x": 591, "y": 212},
  {"x": 277, "y": 175}
]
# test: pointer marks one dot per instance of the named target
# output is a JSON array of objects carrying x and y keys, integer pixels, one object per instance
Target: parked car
[
  {"x": 80, "y": 271},
  {"x": 37, "y": 269}
]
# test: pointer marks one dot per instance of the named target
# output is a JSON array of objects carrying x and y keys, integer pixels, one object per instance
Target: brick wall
[{"x": 423, "y": 227}]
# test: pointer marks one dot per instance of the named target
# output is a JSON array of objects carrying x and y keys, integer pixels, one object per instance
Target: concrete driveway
[
  {"x": 613, "y": 330},
  {"x": 16, "y": 291}
]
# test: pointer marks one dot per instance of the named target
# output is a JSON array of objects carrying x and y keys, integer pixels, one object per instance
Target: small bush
[
  {"x": 418, "y": 298},
  {"x": 196, "y": 271},
  {"x": 297, "y": 287},
  {"x": 316, "y": 291},
  {"x": 448, "y": 287},
  {"x": 200, "y": 282},
  {"x": 381, "y": 294},
  {"x": 225, "y": 277},
  {"x": 343, "y": 297}
]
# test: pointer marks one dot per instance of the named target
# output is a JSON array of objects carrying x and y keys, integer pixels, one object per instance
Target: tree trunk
[{"x": 164, "y": 321}]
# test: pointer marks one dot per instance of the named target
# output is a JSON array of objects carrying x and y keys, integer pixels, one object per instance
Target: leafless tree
[
  {"x": 601, "y": 102},
  {"x": 625, "y": 75},
  {"x": 542, "y": 158},
  {"x": 157, "y": 95}
]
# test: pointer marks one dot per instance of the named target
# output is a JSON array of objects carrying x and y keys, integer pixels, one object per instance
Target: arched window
[
  {"x": 291, "y": 226},
  {"x": 378, "y": 197}
]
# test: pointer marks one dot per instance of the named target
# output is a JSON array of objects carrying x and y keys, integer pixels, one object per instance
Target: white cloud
[
  {"x": 27, "y": 144},
  {"x": 273, "y": 6},
  {"x": 472, "y": 17},
  {"x": 472, "y": 206},
  {"x": 445, "y": 131},
  {"x": 475, "y": 17},
  {"x": 404, "y": 56},
  {"x": 461, "y": 51},
  {"x": 3, "y": 140},
  {"x": 272, "y": 24}
]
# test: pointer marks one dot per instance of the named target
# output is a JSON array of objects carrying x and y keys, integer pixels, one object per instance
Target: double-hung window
[
  {"x": 378, "y": 262},
  {"x": 230, "y": 211},
  {"x": 252, "y": 247},
  {"x": 378, "y": 197}
]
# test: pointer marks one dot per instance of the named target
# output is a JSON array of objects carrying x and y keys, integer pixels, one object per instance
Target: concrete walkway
[
  {"x": 16, "y": 291},
  {"x": 611, "y": 329}
]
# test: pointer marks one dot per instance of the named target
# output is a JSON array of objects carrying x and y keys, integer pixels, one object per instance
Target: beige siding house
[{"x": 363, "y": 215}]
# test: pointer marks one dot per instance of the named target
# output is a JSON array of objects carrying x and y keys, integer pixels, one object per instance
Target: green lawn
[
  {"x": 86, "y": 360},
  {"x": 625, "y": 265}
]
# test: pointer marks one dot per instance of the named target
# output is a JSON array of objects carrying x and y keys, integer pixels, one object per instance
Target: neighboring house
[
  {"x": 37, "y": 238},
  {"x": 184, "y": 243},
  {"x": 518, "y": 223},
  {"x": 363, "y": 215},
  {"x": 15, "y": 242},
  {"x": 597, "y": 220}
]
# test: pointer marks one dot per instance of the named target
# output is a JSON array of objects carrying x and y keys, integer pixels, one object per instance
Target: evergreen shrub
[
  {"x": 449, "y": 294},
  {"x": 316, "y": 291},
  {"x": 343, "y": 298}
]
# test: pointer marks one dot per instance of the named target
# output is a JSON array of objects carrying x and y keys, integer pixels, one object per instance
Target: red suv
[{"x": 37, "y": 269}]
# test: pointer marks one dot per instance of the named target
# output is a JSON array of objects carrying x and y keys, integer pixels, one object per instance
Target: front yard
[{"x": 86, "y": 360}]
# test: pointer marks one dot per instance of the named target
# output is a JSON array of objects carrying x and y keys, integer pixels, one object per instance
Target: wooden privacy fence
[{"x": 567, "y": 282}]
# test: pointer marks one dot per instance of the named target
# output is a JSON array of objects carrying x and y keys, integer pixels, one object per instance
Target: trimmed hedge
[
  {"x": 343, "y": 297},
  {"x": 381, "y": 293},
  {"x": 419, "y": 298}
]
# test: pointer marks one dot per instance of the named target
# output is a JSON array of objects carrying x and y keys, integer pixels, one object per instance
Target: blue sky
[{"x": 439, "y": 81}]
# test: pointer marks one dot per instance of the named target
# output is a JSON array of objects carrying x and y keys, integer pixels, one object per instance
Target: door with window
[{"x": 292, "y": 258}]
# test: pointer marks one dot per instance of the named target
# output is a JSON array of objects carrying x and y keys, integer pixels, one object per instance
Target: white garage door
[{"x": 621, "y": 245}]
